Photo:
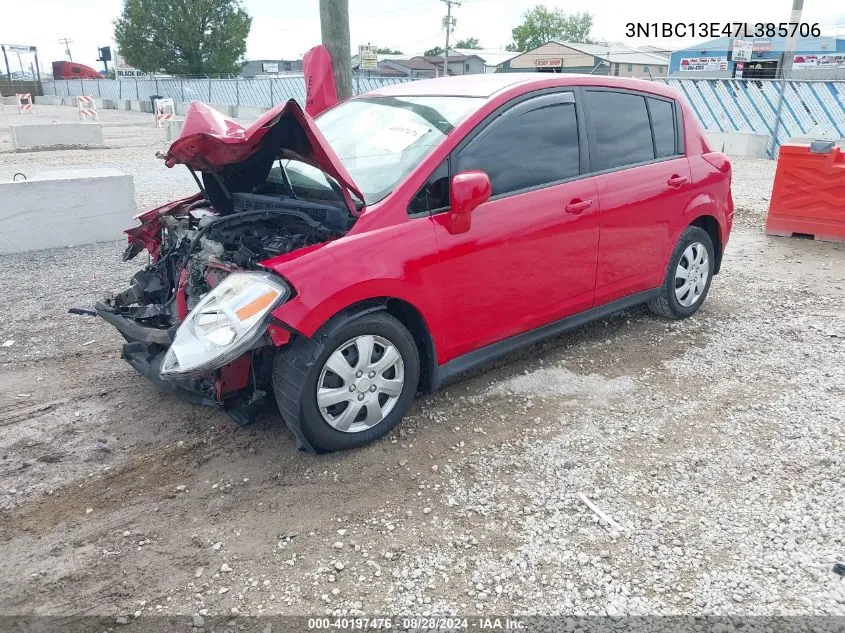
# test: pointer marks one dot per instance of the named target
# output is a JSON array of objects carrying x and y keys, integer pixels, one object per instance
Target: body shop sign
[
  {"x": 556, "y": 62},
  {"x": 699, "y": 64}
]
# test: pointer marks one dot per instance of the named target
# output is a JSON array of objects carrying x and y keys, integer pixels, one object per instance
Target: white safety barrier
[
  {"x": 54, "y": 136},
  {"x": 64, "y": 208},
  {"x": 24, "y": 103},
  {"x": 87, "y": 108},
  {"x": 165, "y": 110}
]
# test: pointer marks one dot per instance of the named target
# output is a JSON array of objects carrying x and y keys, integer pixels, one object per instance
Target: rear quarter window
[{"x": 663, "y": 123}]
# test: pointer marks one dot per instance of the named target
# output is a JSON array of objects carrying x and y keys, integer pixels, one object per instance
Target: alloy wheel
[
  {"x": 691, "y": 274},
  {"x": 360, "y": 383}
]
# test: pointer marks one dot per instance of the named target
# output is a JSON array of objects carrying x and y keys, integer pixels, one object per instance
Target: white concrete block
[
  {"x": 225, "y": 108},
  {"x": 181, "y": 108},
  {"x": 59, "y": 135},
  {"x": 249, "y": 113},
  {"x": 124, "y": 104},
  {"x": 64, "y": 208},
  {"x": 69, "y": 101},
  {"x": 745, "y": 144},
  {"x": 11, "y": 101},
  {"x": 172, "y": 129}
]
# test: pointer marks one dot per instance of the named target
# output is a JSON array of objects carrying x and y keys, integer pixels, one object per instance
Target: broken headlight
[{"x": 225, "y": 323}]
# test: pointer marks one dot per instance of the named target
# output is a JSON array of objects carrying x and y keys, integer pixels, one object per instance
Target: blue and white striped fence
[
  {"x": 261, "y": 92},
  {"x": 809, "y": 109}
]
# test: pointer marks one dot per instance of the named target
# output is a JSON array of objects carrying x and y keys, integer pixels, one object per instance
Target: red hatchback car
[{"x": 404, "y": 236}]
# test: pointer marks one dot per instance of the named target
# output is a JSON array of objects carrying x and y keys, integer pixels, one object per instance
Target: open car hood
[{"x": 211, "y": 140}]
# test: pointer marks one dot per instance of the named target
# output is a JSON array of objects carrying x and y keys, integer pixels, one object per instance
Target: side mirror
[{"x": 467, "y": 190}]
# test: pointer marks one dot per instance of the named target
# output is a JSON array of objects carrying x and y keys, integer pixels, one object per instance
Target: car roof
[{"x": 488, "y": 85}]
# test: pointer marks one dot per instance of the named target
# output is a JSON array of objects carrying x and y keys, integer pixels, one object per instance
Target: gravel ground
[{"x": 713, "y": 444}]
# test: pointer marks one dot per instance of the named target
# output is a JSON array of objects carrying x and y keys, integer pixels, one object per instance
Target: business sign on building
[
  {"x": 553, "y": 62},
  {"x": 703, "y": 64},
  {"x": 122, "y": 70},
  {"x": 742, "y": 50},
  {"x": 270, "y": 68},
  {"x": 367, "y": 57},
  {"x": 820, "y": 62}
]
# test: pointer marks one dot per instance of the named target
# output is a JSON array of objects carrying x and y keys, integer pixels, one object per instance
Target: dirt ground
[{"x": 715, "y": 444}]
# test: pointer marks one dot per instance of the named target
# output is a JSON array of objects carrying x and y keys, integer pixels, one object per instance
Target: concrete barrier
[
  {"x": 47, "y": 100},
  {"x": 60, "y": 135},
  {"x": 124, "y": 104},
  {"x": 225, "y": 108},
  {"x": 249, "y": 113},
  {"x": 64, "y": 208},
  {"x": 172, "y": 129},
  {"x": 745, "y": 144}
]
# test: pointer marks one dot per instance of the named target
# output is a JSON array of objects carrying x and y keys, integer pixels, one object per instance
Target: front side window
[
  {"x": 621, "y": 134},
  {"x": 532, "y": 144},
  {"x": 380, "y": 140}
]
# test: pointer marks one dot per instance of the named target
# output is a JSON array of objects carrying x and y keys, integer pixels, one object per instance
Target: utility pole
[
  {"x": 67, "y": 43},
  {"x": 334, "y": 29},
  {"x": 786, "y": 68},
  {"x": 795, "y": 16},
  {"x": 449, "y": 4}
]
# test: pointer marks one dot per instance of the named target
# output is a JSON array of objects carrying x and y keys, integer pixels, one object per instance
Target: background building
[
  {"x": 813, "y": 58},
  {"x": 270, "y": 67},
  {"x": 597, "y": 59}
]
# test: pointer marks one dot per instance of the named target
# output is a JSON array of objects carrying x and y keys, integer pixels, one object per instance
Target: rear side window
[
  {"x": 532, "y": 144},
  {"x": 663, "y": 123},
  {"x": 620, "y": 129}
]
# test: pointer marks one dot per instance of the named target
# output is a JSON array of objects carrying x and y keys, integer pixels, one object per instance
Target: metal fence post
[
  {"x": 100, "y": 89},
  {"x": 81, "y": 87},
  {"x": 777, "y": 117},
  {"x": 271, "y": 93},
  {"x": 119, "y": 90},
  {"x": 237, "y": 91},
  {"x": 182, "y": 88},
  {"x": 209, "y": 89},
  {"x": 137, "y": 93}
]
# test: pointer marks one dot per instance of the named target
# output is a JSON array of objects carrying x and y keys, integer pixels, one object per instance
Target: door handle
[
  {"x": 676, "y": 181},
  {"x": 577, "y": 206}
]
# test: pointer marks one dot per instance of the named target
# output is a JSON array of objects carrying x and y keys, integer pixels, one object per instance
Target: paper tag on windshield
[{"x": 399, "y": 136}]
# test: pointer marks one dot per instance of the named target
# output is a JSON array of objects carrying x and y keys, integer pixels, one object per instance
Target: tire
[
  {"x": 694, "y": 254},
  {"x": 303, "y": 366}
]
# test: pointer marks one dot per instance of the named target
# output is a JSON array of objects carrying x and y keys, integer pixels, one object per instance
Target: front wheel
[
  {"x": 688, "y": 277},
  {"x": 361, "y": 382}
]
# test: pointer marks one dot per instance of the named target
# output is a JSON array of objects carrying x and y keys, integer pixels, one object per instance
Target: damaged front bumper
[{"x": 226, "y": 387}]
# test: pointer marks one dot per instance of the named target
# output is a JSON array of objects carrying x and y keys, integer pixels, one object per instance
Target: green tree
[
  {"x": 388, "y": 51},
  {"x": 541, "y": 25},
  {"x": 437, "y": 50},
  {"x": 183, "y": 37},
  {"x": 470, "y": 42}
]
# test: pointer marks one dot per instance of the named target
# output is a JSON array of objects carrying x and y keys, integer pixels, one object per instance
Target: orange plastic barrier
[{"x": 808, "y": 195}]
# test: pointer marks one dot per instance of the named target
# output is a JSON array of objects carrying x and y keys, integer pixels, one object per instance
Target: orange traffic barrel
[{"x": 808, "y": 196}]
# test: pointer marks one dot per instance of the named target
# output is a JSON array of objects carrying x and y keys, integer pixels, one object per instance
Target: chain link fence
[
  {"x": 781, "y": 109},
  {"x": 261, "y": 92}
]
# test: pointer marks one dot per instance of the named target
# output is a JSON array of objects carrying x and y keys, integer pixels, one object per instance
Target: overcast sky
[{"x": 288, "y": 28}]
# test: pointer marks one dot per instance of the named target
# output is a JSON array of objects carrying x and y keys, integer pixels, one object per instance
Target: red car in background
[{"x": 404, "y": 236}]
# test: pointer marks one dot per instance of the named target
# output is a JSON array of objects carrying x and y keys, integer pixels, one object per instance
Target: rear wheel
[
  {"x": 361, "y": 382},
  {"x": 688, "y": 277}
]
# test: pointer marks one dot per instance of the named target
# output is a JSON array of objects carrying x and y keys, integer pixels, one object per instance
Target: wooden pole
[{"x": 334, "y": 28}]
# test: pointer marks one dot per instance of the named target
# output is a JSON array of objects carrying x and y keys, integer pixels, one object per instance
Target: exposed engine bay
[{"x": 199, "y": 246}]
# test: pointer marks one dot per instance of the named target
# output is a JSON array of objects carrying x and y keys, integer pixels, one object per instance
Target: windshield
[{"x": 381, "y": 139}]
